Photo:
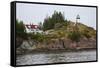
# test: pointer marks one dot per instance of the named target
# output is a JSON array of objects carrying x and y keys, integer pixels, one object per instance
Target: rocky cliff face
[
  {"x": 60, "y": 44},
  {"x": 57, "y": 44}
]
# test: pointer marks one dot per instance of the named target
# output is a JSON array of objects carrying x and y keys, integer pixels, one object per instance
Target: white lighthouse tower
[
  {"x": 77, "y": 19},
  {"x": 76, "y": 23}
]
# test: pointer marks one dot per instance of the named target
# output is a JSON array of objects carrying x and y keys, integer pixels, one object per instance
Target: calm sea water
[{"x": 56, "y": 57}]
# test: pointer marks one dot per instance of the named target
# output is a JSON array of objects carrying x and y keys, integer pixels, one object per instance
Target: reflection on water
[{"x": 44, "y": 58}]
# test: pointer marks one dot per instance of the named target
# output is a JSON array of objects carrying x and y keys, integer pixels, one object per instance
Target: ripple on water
[{"x": 56, "y": 57}]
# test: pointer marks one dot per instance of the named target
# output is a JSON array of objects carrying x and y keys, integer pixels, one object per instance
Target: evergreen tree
[{"x": 49, "y": 22}]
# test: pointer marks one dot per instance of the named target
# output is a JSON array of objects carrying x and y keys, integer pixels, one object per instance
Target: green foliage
[
  {"x": 20, "y": 29},
  {"x": 58, "y": 17},
  {"x": 38, "y": 37},
  {"x": 49, "y": 22},
  {"x": 74, "y": 36}
]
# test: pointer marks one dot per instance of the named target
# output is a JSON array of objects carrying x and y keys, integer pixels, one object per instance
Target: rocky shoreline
[
  {"x": 29, "y": 46},
  {"x": 39, "y": 51}
]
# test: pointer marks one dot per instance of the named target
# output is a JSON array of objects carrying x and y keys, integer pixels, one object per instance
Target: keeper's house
[{"x": 30, "y": 28}]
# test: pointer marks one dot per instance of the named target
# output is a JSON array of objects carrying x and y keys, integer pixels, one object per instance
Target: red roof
[{"x": 31, "y": 26}]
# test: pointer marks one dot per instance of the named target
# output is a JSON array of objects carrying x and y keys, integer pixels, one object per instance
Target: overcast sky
[{"x": 35, "y": 13}]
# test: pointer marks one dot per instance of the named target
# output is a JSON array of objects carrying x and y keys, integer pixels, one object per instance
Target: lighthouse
[
  {"x": 76, "y": 23},
  {"x": 77, "y": 19}
]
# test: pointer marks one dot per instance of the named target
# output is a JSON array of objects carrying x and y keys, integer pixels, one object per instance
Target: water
[{"x": 43, "y": 58}]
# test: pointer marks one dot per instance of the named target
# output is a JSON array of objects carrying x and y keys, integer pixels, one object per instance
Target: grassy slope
[{"x": 85, "y": 31}]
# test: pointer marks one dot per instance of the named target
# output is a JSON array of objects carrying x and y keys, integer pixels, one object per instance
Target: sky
[{"x": 35, "y": 13}]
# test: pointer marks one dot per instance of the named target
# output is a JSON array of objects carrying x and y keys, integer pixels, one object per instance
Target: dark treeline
[
  {"x": 20, "y": 29},
  {"x": 51, "y": 22}
]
